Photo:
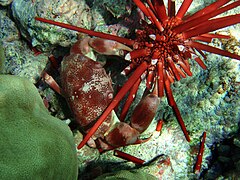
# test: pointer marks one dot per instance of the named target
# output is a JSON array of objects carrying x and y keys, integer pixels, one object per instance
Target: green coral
[
  {"x": 34, "y": 145},
  {"x": 2, "y": 58},
  {"x": 126, "y": 175}
]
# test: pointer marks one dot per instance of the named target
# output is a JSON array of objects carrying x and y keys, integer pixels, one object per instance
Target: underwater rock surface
[
  {"x": 89, "y": 15},
  {"x": 34, "y": 145},
  {"x": 126, "y": 175},
  {"x": 19, "y": 58},
  {"x": 44, "y": 36},
  {"x": 5, "y": 2}
]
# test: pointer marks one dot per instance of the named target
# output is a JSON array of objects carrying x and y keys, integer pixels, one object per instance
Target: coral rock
[{"x": 127, "y": 175}]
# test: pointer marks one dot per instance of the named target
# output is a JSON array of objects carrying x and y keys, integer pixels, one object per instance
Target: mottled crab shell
[{"x": 87, "y": 88}]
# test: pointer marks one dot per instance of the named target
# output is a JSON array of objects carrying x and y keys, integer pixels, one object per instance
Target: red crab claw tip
[{"x": 122, "y": 135}]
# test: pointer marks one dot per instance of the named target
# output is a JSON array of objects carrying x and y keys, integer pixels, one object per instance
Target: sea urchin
[{"x": 163, "y": 46}]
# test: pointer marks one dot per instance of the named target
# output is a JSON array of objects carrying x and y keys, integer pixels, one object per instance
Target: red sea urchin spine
[
  {"x": 128, "y": 157},
  {"x": 200, "y": 155},
  {"x": 160, "y": 10},
  {"x": 137, "y": 53},
  {"x": 219, "y": 36},
  {"x": 150, "y": 4},
  {"x": 200, "y": 62},
  {"x": 131, "y": 97},
  {"x": 143, "y": 8},
  {"x": 129, "y": 69},
  {"x": 168, "y": 91},
  {"x": 150, "y": 79},
  {"x": 173, "y": 104},
  {"x": 171, "y": 8},
  {"x": 212, "y": 25},
  {"x": 185, "y": 68},
  {"x": 183, "y": 9},
  {"x": 183, "y": 75},
  {"x": 180, "y": 121},
  {"x": 150, "y": 15},
  {"x": 212, "y": 7},
  {"x": 126, "y": 87},
  {"x": 203, "y": 39},
  {"x": 197, "y": 21},
  {"x": 159, "y": 125},
  {"x": 155, "y": 20},
  {"x": 173, "y": 68},
  {"x": 122, "y": 40},
  {"x": 208, "y": 37},
  {"x": 160, "y": 78},
  {"x": 211, "y": 49}
]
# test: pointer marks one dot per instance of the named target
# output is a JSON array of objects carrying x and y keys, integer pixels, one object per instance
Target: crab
[{"x": 88, "y": 90}]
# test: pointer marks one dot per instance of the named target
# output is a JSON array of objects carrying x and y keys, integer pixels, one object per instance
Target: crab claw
[
  {"x": 108, "y": 47},
  {"x": 124, "y": 134},
  {"x": 144, "y": 112}
]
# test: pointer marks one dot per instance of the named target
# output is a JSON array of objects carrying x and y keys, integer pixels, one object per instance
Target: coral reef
[
  {"x": 73, "y": 12},
  {"x": 5, "y": 2},
  {"x": 19, "y": 59},
  {"x": 2, "y": 58},
  {"x": 34, "y": 145},
  {"x": 209, "y": 100},
  {"x": 226, "y": 160},
  {"x": 79, "y": 13},
  {"x": 9, "y": 31},
  {"x": 127, "y": 175}
]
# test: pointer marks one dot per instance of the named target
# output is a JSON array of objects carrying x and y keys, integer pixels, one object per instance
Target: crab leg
[
  {"x": 126, "y": 87},
  {"x": 51, "y": 82},
  {"x": 144, "y": 112}
]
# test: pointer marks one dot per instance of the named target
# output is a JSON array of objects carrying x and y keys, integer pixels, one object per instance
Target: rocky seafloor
[{"x": 208, "y": 101}]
